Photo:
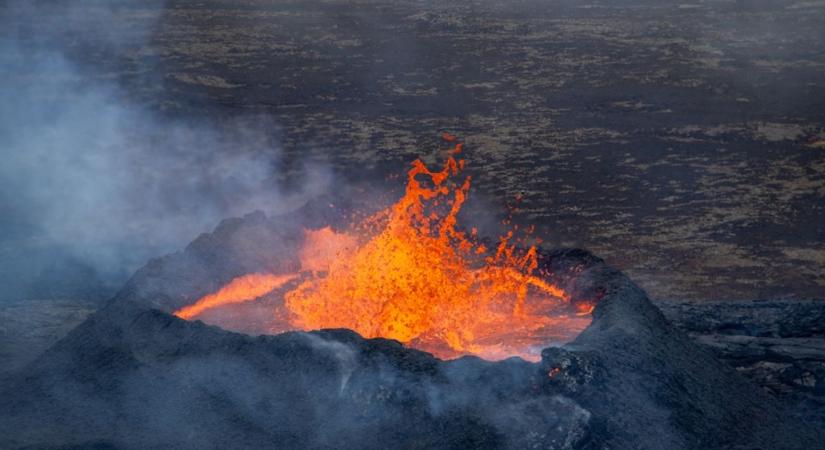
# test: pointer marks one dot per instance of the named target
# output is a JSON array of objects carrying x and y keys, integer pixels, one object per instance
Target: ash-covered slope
[
  {"x": 134, "y": 376},
  {"x": 777, "y": 343}
]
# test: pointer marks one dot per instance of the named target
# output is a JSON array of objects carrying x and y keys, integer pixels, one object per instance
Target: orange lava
[
  {"x": 242, "y": 289},
  {"x": 410, "y": 273},
  {"x": 323, "y": 246}
]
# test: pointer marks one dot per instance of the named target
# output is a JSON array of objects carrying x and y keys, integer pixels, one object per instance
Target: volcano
[
  {"x": 133, "y": 375},
  {"x": 287, "y": 332}
]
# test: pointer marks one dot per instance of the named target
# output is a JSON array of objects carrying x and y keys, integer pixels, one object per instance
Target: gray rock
[{"x": 779, "y": 344}]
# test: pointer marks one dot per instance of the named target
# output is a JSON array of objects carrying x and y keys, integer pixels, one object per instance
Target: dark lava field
[{"x": 683, "y": 142}]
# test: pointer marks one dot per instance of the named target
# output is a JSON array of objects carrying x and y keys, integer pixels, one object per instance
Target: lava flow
[{"x": 410, "y": 273}]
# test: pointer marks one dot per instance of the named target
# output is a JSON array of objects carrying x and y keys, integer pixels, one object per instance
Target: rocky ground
[
  {"x": 780, "y": 344},
  {"x": 29, "y": 327}
]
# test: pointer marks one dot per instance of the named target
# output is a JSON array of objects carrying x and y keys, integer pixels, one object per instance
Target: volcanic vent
[
  {"x": 411, "y": 273},
  {"x": 135, "y": 376}
]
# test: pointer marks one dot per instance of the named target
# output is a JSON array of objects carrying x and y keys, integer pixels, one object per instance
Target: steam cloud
[{"x": 95, "y": 183}]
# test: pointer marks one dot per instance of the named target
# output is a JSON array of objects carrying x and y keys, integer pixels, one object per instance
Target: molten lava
[
  {"x": 410, "y": 273},
  {"x": 242, "y": 289}
]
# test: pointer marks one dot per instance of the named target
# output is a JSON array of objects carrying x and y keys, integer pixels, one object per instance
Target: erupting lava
[
  {"x": 241, "y": 289},
  {"x": 410, "y": 273}
]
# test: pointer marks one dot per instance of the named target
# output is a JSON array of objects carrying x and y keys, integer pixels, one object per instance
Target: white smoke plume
[{"x": 91, "y": 178}]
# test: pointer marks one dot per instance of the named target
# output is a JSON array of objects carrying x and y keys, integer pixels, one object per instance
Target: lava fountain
[{"x": 411, "y": 273}]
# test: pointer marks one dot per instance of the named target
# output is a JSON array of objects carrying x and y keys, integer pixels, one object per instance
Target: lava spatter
[{"x": 411, "y": 273}]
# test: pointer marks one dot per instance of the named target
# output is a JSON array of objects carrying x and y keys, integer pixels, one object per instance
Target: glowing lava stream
[
  {"x": 410, "y": 273},
  {"x": 242, "y": 289}
]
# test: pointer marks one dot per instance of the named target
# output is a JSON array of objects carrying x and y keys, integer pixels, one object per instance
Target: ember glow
[{"x": 411, "y": 273}]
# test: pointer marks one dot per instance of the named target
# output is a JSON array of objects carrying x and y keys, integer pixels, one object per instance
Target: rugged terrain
[
  {"x": 133, "y": 375},
  {"x": 779, "y": 344}
]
